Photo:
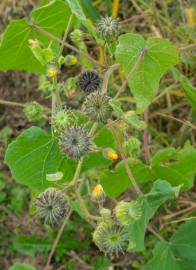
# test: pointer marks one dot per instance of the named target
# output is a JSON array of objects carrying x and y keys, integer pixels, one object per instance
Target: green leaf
[
  {"x": 150, "y": 202},
  {"x": 178, "y": 253},
  {"x": 160, "y": 55},
  {"x": 15, "y": 53},
  {"x": 33, "y": 155},
  {"x": 190, "y": 91},
  {"x": 22, "y": 266},
  {"x": 163, "y": 259},
  {"x": 116, "y": 182},
  {"x": 177, "y": 166}
]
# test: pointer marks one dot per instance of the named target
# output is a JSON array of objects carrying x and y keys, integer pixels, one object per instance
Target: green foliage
[
  {"x": 190, "y": 92},
  {"x": 117, "y": 181},
  {"x": 158, "y": 56},
  {"x": 150, "y": 202},
  {"x": 178, "y": 253},
  {"x": 15, "y": 53},
  {"x": 22, "y": 266}
]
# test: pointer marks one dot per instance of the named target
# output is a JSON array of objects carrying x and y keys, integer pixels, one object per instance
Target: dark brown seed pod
[{"x": 89, "y": 81}]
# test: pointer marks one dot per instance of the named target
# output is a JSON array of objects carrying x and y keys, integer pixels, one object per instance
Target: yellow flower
[
  {"x": 111, "y": 154},
  {"x": 98, "y": 193},
  {"x": 52, "y": 72},
  {"x": 71, "y": 60}
]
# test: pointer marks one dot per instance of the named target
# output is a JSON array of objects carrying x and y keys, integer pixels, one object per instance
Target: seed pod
[
  {"x": 75, "y": 142},
  {"x": 127, "y": 212},
  {"x": 62, "y": 119},
  {"x": 96, "y": 107},
  {"x": 132, "y": 147},
  {"x": 51, "y": 206},
  {"x": 98, "y": 194},
  {"x": 108, "y": 28},
  {"x": 110, "y": 238},
  {"x": 33, "y": 111},
  {"x": 89, "y": 81}
]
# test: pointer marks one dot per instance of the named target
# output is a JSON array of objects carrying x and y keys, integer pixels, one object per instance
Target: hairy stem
[
  {"x": 57, "y": 239},
  {"x": 66, "y": 44},
  {"x": 11, "y": 103},
  {"x": 123, "y": 156}
]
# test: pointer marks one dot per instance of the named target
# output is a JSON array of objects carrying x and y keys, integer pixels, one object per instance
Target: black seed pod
[
  {"x": 51, "y": 206},
  {"x": 96, "y": 107},
  {"x": 89, "y": 81},
  {"x": 108, "y": 28},
  {"x": 75, "y": 142}
]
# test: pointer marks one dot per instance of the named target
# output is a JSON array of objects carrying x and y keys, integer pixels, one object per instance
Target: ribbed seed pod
[
  {"x": 132, "y": 147},
  {"x": 108, "y": 28},
  {"x": 75, "y": 142},
  {"x": 110, "y": 238},
  {"x": 51, "y": 206},
  {"x": 89, "y": 81},
  {"x": 33, "y": 111},
  {"x": 62, "y": 119},
  {"x": 127, "y": 212},
  {"x": 96, "y": 107}
]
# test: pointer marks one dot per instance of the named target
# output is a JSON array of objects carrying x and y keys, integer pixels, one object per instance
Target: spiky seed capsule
[
  {"x": 98, "y": 194},
  {"x": 110, "y": 154},
  {"x": 96, "y": 107},
  {"x": 75, "y": 142},
  {"x": 89, "y": 81},
  {"x": 52, "y": 72},
  {"x": 62, "y": 119},
  {"x": 110, "y": 238},
  {"x": 108, "y": 28},
  {"x": 132, "y": 147},
  {"x": 33, "y": 111},
  {"x": 127, "y": 212},
  {"x": 51, "y": 206}
]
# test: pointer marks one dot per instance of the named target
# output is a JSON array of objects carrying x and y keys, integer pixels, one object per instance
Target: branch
[
  {"x": 128, "y": 170},
  {"x": 57, "y": 239},
  {"x": 69, "y": 46}
]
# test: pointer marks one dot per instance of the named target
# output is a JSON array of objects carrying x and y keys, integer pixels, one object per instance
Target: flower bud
[
  {"x": 110, "y": 154},
  {"x": 71, "y": 60},
  {"x": 98, "y": 194},
  {"x": 52, "y": 72}
]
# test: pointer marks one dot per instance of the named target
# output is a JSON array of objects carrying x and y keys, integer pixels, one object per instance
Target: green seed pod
[
  {"x": 127, "y": 212},
  {"x": 33, "y": 111},
  {"x": 62, "y": 119},
  {"x": 75, "y": 142},
  {"x": 96, "y": 107},
  {"x": 110, "y": 238},
  {"x": 76, "y": 36},
  {"x": 51, "y": 206},
  {"x": 132, "y": 147},
  {"x": 108, "y": 28}
]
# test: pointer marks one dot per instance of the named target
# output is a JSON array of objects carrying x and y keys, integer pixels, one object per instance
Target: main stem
[{"x": 128, "y": 170}]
